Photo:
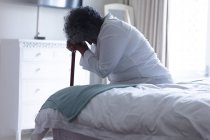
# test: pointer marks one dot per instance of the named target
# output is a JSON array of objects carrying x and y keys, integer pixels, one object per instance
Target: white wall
[{"x": 19, "y": 20}]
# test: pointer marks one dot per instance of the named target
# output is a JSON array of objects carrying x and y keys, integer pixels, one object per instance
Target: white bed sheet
[{"x": 147, "y": 112}]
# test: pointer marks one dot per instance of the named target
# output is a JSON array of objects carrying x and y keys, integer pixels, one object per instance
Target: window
[{"x": 187, "y": 34}]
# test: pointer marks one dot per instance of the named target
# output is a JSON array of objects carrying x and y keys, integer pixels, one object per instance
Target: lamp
[{"x": 64, "y": 4}]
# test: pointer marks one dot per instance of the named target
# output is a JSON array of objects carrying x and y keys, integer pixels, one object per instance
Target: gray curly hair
[{"x": 82, "y": 24}]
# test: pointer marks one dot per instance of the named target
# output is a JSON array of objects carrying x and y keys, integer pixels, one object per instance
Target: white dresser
[{"x": 32, "y": 70}]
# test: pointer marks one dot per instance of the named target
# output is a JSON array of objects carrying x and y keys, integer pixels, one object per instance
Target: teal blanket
[{"x": 71, "y": 100}]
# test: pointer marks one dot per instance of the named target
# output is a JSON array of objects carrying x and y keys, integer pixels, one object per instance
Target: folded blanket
[{"x": 71, "y": 100}]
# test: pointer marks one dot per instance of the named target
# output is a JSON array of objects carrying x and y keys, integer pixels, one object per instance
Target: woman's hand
[{"x": 81, "y": 47}]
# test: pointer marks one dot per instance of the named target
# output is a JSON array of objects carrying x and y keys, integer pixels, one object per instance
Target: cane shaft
[{"x": 72, "y": 68}]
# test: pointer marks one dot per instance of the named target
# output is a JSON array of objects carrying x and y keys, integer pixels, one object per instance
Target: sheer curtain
[{"x": 150, "y": 17}]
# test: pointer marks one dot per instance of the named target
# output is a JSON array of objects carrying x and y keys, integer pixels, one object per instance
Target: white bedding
[{"x": 160, "y": 112}]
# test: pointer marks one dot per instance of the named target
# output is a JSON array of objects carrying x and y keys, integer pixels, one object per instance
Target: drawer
[
  {"x": 39, "y": 91},
  {"x": 61, "y": 54},
  {"x": 45, "y": 70},
  {"x": 37, "y": 54},
  {"x": 34, "y": 94},
  {"x": 46, "y": 54}
]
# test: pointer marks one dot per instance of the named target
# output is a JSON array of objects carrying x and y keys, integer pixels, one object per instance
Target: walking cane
[{"x": 72, "y": 68}]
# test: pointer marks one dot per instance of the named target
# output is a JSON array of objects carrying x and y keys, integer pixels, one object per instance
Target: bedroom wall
[{"x": 19, "y": 20}]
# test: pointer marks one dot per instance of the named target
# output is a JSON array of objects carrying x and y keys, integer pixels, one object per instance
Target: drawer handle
[
  {"x": 38, "y": 54},
  {"x": 37, "y": 90},
  {"x": 37, "y": 70}
]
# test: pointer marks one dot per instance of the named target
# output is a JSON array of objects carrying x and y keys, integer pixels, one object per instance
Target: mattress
[{"x": 148, "y": 112}]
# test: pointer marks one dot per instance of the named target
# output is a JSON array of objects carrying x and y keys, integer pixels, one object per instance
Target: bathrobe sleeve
[{"x": 111, "y": 45}]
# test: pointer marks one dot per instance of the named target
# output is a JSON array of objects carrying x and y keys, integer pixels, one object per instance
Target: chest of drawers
[{"x": 32, "y": 70}]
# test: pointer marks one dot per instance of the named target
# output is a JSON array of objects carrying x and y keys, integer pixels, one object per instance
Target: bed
[{"x": 178, "y": 111}]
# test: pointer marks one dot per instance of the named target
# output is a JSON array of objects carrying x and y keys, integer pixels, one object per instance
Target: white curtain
[{"x": 150, "y": 17}]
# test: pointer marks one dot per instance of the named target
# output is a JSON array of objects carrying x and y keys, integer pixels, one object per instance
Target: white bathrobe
[{"x": 124, "y": 55}]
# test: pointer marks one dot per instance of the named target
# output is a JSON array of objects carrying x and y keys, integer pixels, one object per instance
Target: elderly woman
[{"x": 121, "y": 53}]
